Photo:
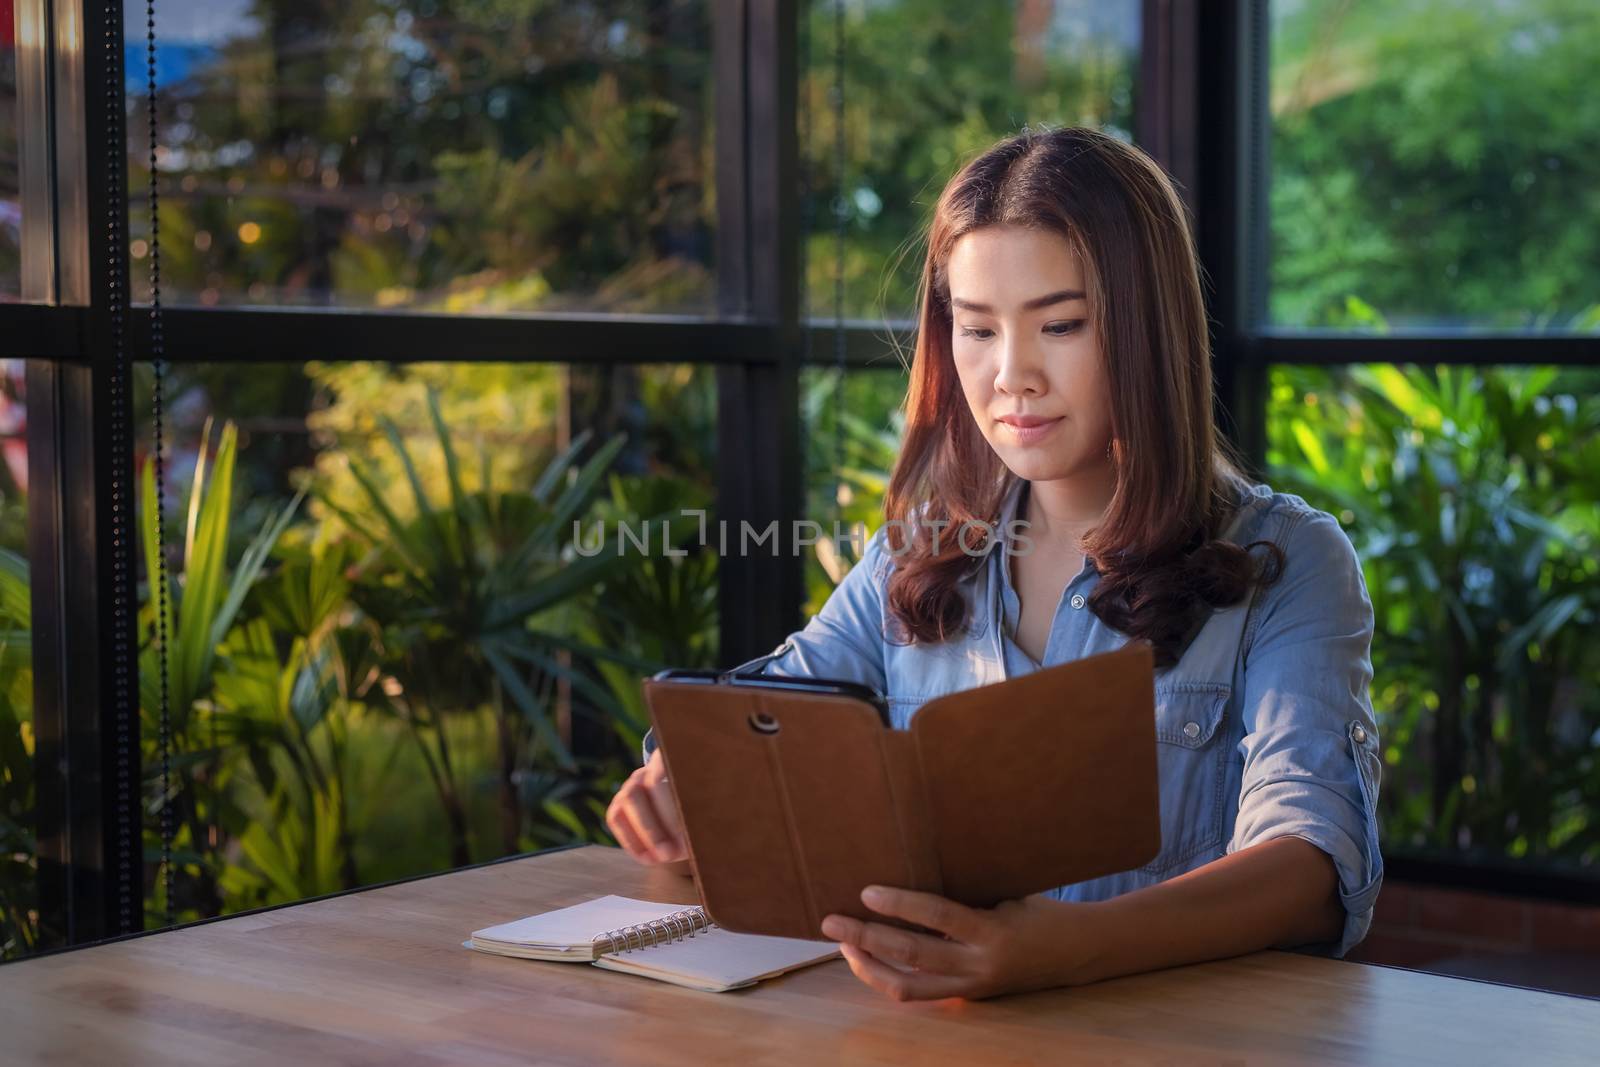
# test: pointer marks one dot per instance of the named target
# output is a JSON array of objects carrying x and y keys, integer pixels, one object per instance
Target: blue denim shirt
[{"x": 1264, "y": 726}]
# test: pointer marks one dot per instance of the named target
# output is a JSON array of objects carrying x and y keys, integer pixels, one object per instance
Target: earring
[{"x": 1108, "y": 449}]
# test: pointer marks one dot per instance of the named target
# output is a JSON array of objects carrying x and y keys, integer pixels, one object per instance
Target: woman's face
[{"x": 1025, "y": 351}]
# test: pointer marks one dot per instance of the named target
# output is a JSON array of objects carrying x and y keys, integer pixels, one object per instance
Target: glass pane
[
  {"x": 852, "y": 436},
  {"x": 392, "y": 695},
  {"x": 10, "y": 160},
  {"x": 1433, "y": 165},
  {"x": 441, "y": 157},
  {"x": 19, "y": 867},
  {"x": 1472, "y": 496},
  {"x": 926, "y": 84}
]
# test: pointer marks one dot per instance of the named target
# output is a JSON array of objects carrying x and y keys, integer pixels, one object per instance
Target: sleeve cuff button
[{"x": 1358, "y": 734}]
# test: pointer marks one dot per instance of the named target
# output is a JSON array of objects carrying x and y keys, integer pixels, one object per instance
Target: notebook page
[
  {"x": 719, "y": 959},
  {"x": 575, "y": 926}
]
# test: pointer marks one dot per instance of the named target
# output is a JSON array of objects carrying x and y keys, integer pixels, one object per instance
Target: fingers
[
  {"x": 927, "y": 909},
  {"x": 903, "y": 985},
  {"x": 903, "y": 948},
  {"x": 638, "y": 826},
  {"x": 621, "y": 825},
  {"x": 627, "y": 836},
  {"x": 655, "y": 812},
  {"x": 663, "y": 842},
  {"x": 666, "y": 802}
]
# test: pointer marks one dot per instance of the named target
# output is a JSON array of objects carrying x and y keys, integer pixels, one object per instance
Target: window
[
  {"x": 10, "y": 165},
  {"x": 926, "y": 85},
  {"x": 1471, "y": 496},
  {"x": 1429, "y": 171},
  {"x": 852, "y": 427},
  {"x": 1432, "y": 166},
  {"x": 343, "y": 194},
  {"x": 427, "y": 156},
  {"x": 368, "y": 714},
  {"x": 19, "y": 910}
]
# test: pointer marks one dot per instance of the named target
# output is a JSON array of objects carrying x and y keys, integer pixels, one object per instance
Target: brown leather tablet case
[{"x": 993, "y": 793}]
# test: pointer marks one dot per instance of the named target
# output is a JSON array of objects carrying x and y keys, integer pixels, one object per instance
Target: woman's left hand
[{"x": 1018, "y": 945}]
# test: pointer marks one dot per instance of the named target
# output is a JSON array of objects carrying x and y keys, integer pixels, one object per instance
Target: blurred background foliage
[
  {"x": 390, "y": 670},
  {"x": 1434, "y": 164},
  {"x": 1472, "y": 496}
]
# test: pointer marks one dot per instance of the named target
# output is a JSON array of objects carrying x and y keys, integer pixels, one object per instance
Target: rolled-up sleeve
[
  {"x": 1310, "y": 746},
  {"x": 842, "y": 641}
]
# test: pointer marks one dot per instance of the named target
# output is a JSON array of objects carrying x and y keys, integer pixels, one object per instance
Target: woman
[{"x": 1062, "y": 378}]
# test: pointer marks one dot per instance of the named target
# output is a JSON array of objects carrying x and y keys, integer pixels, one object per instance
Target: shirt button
[
  {"x": 1359, "y": 735},
  {"x": 1191, "y": 730},
  {"x": 1077, "y": 600}
]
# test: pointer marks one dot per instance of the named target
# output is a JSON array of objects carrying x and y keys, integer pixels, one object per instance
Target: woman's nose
[{"x": 1019, "y": 370}]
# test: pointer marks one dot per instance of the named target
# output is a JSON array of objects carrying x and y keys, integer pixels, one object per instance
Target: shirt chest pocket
[
  {"x": 1191, "y": 761},
  {"x": 916, "y": 674}
]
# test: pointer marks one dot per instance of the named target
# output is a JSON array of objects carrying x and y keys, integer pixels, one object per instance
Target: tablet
[{"x": 829, "y": 686}]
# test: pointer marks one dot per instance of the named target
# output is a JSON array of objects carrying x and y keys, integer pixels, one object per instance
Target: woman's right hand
[{"x": 644, "y": 817}]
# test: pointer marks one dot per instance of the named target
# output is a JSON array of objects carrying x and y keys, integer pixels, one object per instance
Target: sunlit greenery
[
  {"x": 431, "y": 639},
  {"x": 448, "y": 155},
  {"x": 18, "y": 891},
  {"x": 1473, "y": 499},
  {"x": 927, "y": 85},
  {"x": 1433, "y": 164}
]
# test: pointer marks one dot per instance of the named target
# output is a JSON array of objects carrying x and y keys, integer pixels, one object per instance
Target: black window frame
[
  {"x": 1200, "y": 111},
  {"x": 1218, "y": 55}
]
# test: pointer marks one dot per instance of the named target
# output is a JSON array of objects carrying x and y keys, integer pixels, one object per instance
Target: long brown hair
[{"x": 1177, "y": 480}]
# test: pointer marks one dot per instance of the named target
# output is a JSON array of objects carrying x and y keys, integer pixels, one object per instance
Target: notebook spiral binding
[{"x": 674, "y": 927}]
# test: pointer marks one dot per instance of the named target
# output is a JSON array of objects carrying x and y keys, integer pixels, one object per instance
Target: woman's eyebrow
[{"x": 1032, "y": 305}]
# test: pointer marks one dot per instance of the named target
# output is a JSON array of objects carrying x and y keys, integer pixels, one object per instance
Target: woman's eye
[{"x": 1054, "y": 329}]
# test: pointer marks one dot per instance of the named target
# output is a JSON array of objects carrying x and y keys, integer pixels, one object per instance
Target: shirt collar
[
  {"x": 1011, "y": 501},
  {"x": 1010, "y": 508},
  {"x": 1250, "y": 496}
]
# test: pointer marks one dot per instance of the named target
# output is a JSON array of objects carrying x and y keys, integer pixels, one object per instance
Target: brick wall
[{"x": 1485, "y": 935}]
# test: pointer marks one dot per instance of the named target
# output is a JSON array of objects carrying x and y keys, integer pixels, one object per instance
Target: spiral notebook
[{"x": 667, "y": 942}]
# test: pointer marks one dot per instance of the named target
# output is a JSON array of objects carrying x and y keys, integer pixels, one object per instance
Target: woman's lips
[{"x": 1037, "y": 430}]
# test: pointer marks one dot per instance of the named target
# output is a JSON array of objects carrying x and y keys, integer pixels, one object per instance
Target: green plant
[
  {"x": 475, "y": 600},
  {"x": 286, "y": 715},
  {"x": 662, "y": 608},
  {"x": 1472, "y": 496},
  {"x": 1431, "y": 160},
  {"x": 851, "y": 445},
  {"x": 19, "y": 919},
  {"x": 203, "y": 600}
]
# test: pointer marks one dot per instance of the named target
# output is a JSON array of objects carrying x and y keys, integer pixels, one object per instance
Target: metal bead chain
[
  {"x": 807, "y": 219},
  {"x": 158, "y": 363},
  {"x": 124, "y": 669},
  {"x": 840, "y": 209}
]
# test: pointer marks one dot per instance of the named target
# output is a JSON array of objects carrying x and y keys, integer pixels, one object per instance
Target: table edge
[{"x": 136, "y": 934}]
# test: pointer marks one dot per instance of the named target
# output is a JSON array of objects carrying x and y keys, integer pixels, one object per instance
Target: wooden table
[{"x": 380, "y": 977}]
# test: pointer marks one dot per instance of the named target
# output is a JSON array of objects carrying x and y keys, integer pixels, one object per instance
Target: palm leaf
[
  {"x": 15, "y": 598},
  {"x": 558, "y": 467},
  {"x": 580, "y": 681},
  {"x": 425, "y": 512},
  {"x": 528, "y": 704},
  {"x": 468, "y": 509},
  {"x": 249, "y": 569},
  {"x": 203, "y": 570},
  {"x": 576, "y": 576},
  {"x": 398, "y": 533}
]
